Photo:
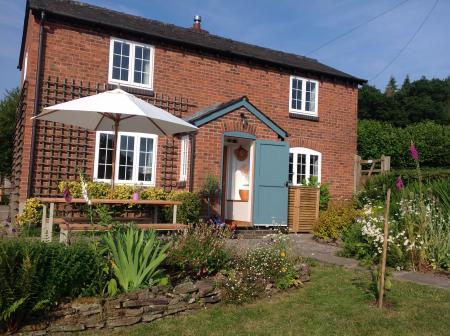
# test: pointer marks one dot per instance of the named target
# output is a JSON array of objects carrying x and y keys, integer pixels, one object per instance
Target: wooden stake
[{"x": 385, "y": 246}]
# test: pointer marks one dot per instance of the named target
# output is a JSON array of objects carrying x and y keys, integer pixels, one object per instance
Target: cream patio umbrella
[{"x": 116, "y": 110}]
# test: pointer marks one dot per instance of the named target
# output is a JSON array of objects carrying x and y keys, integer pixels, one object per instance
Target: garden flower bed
[
  {"x": 419, "y": 234},
  {"x": 129, "y": 276}
]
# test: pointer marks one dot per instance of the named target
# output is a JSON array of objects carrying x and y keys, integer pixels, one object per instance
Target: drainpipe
[
  {"x": 191, "y": 168},
  {"x": 36, "y": 106}
]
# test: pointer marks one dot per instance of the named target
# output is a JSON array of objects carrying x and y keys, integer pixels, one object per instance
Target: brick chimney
[{"x": 197, "y": 23}]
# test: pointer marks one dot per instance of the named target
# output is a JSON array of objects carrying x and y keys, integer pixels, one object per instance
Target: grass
[{"x": 335, "y": 302}]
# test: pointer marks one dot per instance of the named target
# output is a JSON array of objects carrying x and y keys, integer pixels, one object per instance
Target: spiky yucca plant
[{"x": 136, "y": 256}]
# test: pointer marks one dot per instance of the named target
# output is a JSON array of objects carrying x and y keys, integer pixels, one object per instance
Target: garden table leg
[
  {"x": 44, "y": 223},
  {"x": 50, "y": 222},
  {"x": 155, "y": 215},
  {"x": 174, "y": 214}
]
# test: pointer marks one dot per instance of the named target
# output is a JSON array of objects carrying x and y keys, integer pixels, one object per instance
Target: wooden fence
[
  {"x": 364, "y": 169},
  {"x": 303, "y": 208}
]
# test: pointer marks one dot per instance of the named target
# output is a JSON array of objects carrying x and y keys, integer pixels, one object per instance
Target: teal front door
[{"x": 270, "y": 198}]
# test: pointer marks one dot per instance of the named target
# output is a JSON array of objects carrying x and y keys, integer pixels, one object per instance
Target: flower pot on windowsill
[{"x": 243, "y": 194}]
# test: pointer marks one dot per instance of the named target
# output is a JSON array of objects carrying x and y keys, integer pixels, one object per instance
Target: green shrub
[
  {"x": 31, "y": 214},
  {"x": 34, "y": 276},
  {"x": 188, "y": 212},
  {"x": 432, "y": 140},
  {"x": 324, "y": 196},
  {"x": 136, "y": 257},
  {"x": 199, "y": 252},
  {"x": 436, "y": 180},
  {"x": 334, "y": 220}
]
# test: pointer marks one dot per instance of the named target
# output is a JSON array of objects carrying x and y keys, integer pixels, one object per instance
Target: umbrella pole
[{"x": 116, "y": 137}]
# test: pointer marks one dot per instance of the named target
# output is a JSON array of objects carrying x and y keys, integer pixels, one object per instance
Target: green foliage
[
  {"x": 324, "y": 196},
  {"x": 34, "y": 276},
  {"x": 431, "y": 139},
  {"x": 31, "y": 214},
  {"x": 199, "y": 252},
  {"x": 136, "y": 257},
  {"x": 210, "y": 186},
  {"x": 374, "y": 287},
  {"x": 259, "y": 267},
  {"x": 437, "y": 181},
  {"x": 334, "y": 220},
  {"x": 8, "y": 107},
  {"x": 414, "y": 102},
  {"x": 189, "y": 211}
]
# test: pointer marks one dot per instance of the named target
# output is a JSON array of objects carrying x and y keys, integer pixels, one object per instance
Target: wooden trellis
[
  {"x": 61, "y": 149},
  {"x": 18, "y": 150}
]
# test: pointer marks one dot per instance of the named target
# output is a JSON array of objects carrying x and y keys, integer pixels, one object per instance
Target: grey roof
[{"x": 99, "y": 16}]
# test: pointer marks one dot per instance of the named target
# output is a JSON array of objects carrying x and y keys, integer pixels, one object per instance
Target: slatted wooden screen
[{"x": 303, "y": 209}]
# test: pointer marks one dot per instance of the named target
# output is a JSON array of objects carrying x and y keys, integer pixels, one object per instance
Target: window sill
[
  {"x": 297, "y": 115},
  {"x": 131, "y": 183},
  {"x": 132, "y": 89}
]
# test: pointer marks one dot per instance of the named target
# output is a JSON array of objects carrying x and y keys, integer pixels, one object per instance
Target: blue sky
[{"x": 296, "y": 26}]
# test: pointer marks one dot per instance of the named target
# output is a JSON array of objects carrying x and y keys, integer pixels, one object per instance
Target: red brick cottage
[{"x": 252, "y": 105}]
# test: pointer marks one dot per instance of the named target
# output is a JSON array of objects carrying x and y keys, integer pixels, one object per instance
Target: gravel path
[{"x": 304, "y": 245}]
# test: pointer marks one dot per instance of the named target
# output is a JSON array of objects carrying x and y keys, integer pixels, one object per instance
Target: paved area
[{"x": 304, "y": 245}]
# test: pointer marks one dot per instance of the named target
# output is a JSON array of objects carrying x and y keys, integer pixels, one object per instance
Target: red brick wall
[{"x": 83, "y": 54}]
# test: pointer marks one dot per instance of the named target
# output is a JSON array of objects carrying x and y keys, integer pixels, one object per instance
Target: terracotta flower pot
[{"x": 243, "y": 194}]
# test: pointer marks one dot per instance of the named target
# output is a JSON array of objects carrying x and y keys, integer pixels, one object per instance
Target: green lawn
[{"x": 333, "y": 303}]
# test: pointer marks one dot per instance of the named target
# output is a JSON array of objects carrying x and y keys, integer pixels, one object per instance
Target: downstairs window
[
  {"x": 135, "y": 161},
  {"x": 304, "y": 164}
]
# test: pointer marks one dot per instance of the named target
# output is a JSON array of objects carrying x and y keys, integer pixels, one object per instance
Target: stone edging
[{"x": 127, "y": 309}]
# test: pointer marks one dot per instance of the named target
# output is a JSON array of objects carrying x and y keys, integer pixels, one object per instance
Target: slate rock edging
[{"x": 145, "y": 305}]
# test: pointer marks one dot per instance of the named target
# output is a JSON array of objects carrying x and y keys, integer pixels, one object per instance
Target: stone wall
[{"x": 145, "y": 305}]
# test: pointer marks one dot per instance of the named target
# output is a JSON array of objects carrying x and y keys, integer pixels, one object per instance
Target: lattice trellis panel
[
  {"x": 62, "y": 149},
  {"x": 18, "y": 149}
]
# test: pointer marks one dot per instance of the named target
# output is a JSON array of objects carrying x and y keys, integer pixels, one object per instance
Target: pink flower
[
  {"x": 414, "y": 152},
  {"x": 135, "y": 196},
  {"x": 67, "y": 195},
  {"x": 399, "y": 184}
]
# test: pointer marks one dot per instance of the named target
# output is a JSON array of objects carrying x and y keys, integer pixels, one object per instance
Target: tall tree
[
  {"x": 391, "y": 87},
  {"x": 8, "y": 107},
  {"x": 420, "y": 100}
]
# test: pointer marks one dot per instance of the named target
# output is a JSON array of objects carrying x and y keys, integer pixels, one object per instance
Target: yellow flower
[
  {"x": 283, "y": 254},
  {"x": 283, "y": 270}
]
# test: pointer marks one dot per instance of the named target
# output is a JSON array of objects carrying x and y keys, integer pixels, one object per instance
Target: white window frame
[
  {"x": 316, "y": 101},
  {"x": 25, "y": 67},
  {"x": 130, "y": 82},
  {"x": 137, "y": 138},
  {"x": 308, "y": 152},
  {"x": 184, "y": 157}
]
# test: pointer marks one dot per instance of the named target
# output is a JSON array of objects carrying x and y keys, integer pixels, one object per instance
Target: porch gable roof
[{"x": 218, "y": 110}]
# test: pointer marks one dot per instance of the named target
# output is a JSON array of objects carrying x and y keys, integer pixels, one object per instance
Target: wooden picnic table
[{"x": 48, "y": 205}]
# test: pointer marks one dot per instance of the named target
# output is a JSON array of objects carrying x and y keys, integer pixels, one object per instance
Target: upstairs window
[
  {"x": 131, "y": 64},
  {"x": 135, "y": 161},
  {"x": 304, "y": 163},
  {"x": 303, "y": 96}
]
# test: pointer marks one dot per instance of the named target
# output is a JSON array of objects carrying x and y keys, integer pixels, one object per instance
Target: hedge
[{"x": 432, "y": 141}]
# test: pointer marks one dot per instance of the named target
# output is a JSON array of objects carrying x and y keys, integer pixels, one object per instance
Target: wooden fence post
[
  {"x": 385, "y": 246},
  {"x": 385, "y": 164},
  {"x": 357, "y": 173}
]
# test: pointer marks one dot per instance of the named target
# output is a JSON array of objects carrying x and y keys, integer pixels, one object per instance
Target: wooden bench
[
  {"x": 67, "y": 225},
  {"x": 66, "y": 228}
]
